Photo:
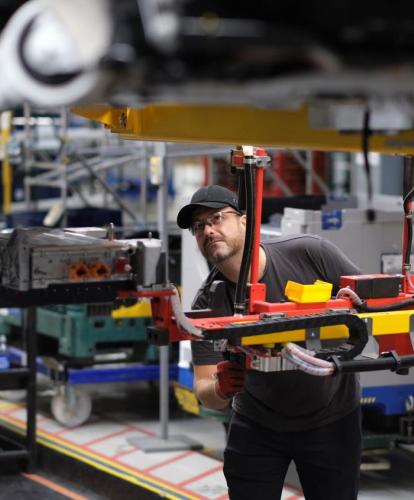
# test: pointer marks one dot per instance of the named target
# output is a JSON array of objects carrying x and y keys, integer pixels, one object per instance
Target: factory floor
[{"x": 98, "y": 461}]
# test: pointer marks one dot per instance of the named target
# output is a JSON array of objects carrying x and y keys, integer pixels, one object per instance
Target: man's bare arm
[{"x": 204, "y": 385}]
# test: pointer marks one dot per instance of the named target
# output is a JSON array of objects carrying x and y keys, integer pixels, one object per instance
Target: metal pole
[
  {"x": 30, "y": 340},
  {"x": 162, "y": 201},
  {"x": 108, "y": 189},
  {"x": 62, "y": 165},
  {"x": 164, "y": 442},
  {"x": 144, "y": 176},
  {"x": 309, "y": 172},
  {"x": 28, "y": 153}
]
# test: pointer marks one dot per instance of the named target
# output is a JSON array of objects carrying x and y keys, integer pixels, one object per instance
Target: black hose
[
  {"x": 365, "y": 149},
  {"x": 394, "y": 363},
  {"x": 242, "y": 191},
  {"x": 408, "y": 177},
  {"x": 409, "y": 226},
  {"x": 407, "y": 199},
  {"x": 241, "y": 288},
  {"x": 390, "y": 307}
]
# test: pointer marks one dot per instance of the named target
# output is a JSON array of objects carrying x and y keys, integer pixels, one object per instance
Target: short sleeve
[
  {"x": 203, "y": 353},
  {"x": 335, "y": 263}
]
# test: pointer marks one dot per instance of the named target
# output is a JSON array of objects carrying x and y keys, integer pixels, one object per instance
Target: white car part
[{"x": 50, "y": 52}]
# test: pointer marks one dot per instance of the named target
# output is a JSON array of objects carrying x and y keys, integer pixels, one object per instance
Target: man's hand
[{"x": 229, "y": 379}]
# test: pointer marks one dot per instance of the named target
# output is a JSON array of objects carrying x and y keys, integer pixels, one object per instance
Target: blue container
[{"x": 4, "y": 362}]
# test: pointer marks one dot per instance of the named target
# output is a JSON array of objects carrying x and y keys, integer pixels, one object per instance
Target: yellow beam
[
  {"x": 7, "y": 176},
  {"x": 382, "y": 323},
  {"x": 286, "y": 128},
  {"x": 389, "y": 323},
  {"x": 100, "y": 113}
]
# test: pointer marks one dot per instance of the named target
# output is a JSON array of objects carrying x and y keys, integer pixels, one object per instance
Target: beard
[{"x": 217, "y": 250}]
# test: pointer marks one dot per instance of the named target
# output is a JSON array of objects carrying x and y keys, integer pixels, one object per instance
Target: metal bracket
[
  {"x": 412, "y": 330},
  {"x": 265, "y": 315},
  {"x": 220, "y": 345},
  {"x": 313, "y": 338},
  {"x": 271, "y": 364},
  {"x": 371, "y": 347}
]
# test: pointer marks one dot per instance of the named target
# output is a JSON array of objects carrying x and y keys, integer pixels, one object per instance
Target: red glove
[{"x": 229, "y": 379}]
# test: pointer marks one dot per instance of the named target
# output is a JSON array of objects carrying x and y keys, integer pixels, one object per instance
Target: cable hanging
[
  {"x": 366, "y": 132},
  {"x": 241, "y": 288}
]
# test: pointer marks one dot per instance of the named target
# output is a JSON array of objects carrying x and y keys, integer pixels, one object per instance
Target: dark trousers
[{"x": 327, "y": 459}]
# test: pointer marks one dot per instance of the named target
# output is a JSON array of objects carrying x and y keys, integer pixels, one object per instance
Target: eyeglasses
[{"x": 197, "y": 227}]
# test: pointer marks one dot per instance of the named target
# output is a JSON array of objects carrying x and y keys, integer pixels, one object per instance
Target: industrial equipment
[
  {"x": 82, "y": 331},
  {"x": 366, "y": 307},
  {"x": 375, "y": 246},
  {"x": 39, "y": 259},
  {"x": 42, "y": 266},
  {"x": 85, "y": 266}
]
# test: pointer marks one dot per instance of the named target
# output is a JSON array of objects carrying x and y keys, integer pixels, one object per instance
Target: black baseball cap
[{"x": 209, "y": 197}]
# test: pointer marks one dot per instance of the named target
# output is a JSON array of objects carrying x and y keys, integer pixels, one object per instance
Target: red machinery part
[
  {"x": 122, "y": 265},
  {"x": 373, "y": 286},
  {"x": 400, "y": 342}
]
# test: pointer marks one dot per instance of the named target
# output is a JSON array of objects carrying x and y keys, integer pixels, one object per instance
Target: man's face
[{"x": 221, "y": 237}]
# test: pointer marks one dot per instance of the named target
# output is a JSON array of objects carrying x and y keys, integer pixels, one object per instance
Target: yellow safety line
[
  {"x": 75, "y": 451},
  {"x": 128, "y": 475}
]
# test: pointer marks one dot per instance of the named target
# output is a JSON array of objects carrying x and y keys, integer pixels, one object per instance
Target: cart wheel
[{"x": 71, "y": 406}]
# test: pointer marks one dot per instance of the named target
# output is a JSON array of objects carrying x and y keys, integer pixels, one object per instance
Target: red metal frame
[
  {"x": 290, "y": 309},
  {"x": 406, "y": 272},
  {"x": 257, "y": 291}
]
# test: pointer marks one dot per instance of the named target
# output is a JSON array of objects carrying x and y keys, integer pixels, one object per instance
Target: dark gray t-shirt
[{"x": 291, "y": 400}]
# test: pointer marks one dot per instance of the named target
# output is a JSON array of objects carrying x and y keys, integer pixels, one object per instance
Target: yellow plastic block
[
  {"x": 320, "y": 291},
  {"x": 140, "y": 310}
]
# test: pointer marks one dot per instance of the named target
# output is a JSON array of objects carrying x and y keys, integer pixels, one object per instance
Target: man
[{"x": 282, "y": 416}]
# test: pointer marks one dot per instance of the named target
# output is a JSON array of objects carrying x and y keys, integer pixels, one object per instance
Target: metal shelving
[{"x": 18, "y": 378}]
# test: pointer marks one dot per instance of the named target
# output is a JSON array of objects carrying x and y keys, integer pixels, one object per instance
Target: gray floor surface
[
  {"x": 139, "y": 403},
  {"x": 396, "y": 483}
]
